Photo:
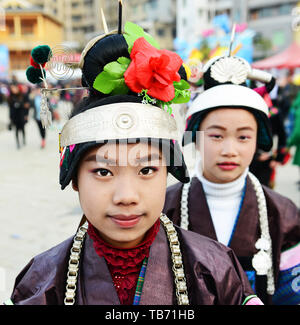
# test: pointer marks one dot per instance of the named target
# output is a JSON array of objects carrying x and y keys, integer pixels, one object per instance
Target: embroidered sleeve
[{"x": 288, "y": 287}]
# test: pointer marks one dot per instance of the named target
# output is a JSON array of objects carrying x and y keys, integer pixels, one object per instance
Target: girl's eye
[
  {"x": 244, "y": 137},
  {"x": 215, "y": 136},
  {"x": 148, "y": 170},
  {"x": 103, "y": 172}
]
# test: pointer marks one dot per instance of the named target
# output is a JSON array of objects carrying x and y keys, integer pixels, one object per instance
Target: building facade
[
  {"x": 27, "y": 26},
  {"x": 82, "y": 18},
  {"x": 272, "y": 20}
]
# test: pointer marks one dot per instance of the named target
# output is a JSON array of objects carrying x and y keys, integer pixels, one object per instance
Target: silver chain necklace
[
  {"x": 262, "y": 261},
  {"x": 177, "y": 262}
]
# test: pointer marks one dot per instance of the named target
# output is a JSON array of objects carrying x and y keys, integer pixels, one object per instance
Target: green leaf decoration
[
  {"x": 163, "y": 105},
  {"x": 104, "y": 83},
  {"x": 124, "y": 61},
  {"x": 182, "y": 85},
  {"x": 111, "y": 79},
  {"x": 120, "y": 88},
  {"x": 182, "y": 93},
  {"x": 132, "y": 32},
  {"x": 115, "y": 69}
]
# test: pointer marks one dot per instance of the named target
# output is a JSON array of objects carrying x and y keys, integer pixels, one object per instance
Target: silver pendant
[
  {"x": 261, "y": 262},
  {"x": 45, "y": 114}
]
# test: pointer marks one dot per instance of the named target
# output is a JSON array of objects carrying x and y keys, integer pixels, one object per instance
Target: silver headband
[{"x": 119, "y": 121}]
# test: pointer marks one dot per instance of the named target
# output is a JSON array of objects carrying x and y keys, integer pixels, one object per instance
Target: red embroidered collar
[{"x": 124, "y": 264}]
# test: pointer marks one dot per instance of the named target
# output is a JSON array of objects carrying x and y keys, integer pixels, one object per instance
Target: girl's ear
[{"x": 74, "y": 185}]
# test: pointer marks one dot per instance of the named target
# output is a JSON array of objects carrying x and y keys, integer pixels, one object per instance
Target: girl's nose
[
  {"x": 126, "y": 192},
  {"x": 229, "y": 148}
]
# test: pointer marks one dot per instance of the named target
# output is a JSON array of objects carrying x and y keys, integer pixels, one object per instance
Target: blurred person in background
[
  {"x": 264, "y": 164},
  {"x": 18, "y": 111},
  {"x": 283, "y": 100},
  {"x": 3, "y": 92},
  {"x": 37, "y": 110},
  {"x": 294, "y": 139}
]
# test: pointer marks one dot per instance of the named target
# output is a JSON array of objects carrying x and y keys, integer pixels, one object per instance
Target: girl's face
[
  {"x": 122, "y": 190},
  {"x": 228, "y": 143}
]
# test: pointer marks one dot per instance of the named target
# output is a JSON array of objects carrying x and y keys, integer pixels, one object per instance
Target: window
[
  {"x": 267, "y": 12},
  {"x": 174, "y": 31},
  {"x": 88, "y": 29},
  {"x": 160, "y": 32},
  {"x": 285, "y": 9},
  {"x": 27, "y": 26},
  {"x": 88, "y": 3},
  {"x": 76, "y": 18},
  {"x": 153, "y": 4},
  {"x": 10, "y": 27},
  {"x": 19, "y": 59},
  {"x": 254, "y": 14}
]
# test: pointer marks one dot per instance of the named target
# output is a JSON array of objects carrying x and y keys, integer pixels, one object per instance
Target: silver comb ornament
[{"x": 46, "y": 116}]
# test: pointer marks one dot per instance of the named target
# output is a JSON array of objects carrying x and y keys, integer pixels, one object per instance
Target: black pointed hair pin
[{"x": 120, "y": 17}]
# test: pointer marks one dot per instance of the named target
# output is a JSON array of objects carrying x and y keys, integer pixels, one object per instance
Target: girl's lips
[
  {"x": 126, "y": 221},
  {"x": 227, "y": 165}
]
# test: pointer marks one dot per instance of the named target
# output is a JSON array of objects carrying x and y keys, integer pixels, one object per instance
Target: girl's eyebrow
[
  {"x": 150, "y": 157},
  {"x": 97, "y": 158},
  {"x": 100, "y": 159},
  {"x": 216, "y": 127},
  {"x": 243, "y": 128}
]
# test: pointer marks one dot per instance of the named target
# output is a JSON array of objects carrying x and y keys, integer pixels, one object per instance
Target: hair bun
[{"x": 104, "y": 51}]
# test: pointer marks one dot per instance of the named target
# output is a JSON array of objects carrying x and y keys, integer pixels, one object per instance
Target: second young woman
[{"x": 224, "y": 201}]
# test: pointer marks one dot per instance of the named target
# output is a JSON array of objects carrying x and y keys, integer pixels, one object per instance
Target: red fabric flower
[{"x": 153, "y": 69}]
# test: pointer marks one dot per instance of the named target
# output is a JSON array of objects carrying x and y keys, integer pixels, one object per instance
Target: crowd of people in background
[
  {"x": 23, "y": 98},
  {"x": 284, "y": 108}
]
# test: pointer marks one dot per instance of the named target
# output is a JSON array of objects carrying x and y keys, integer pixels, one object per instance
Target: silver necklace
[
  {"x": 177, "y": 262},
  {"x": 262, "y": 261}
]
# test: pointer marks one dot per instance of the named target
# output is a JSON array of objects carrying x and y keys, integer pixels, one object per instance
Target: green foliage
[
  {"x": 182, "y": 93},
  {"x": 111, "y": 79},
  {"x": 132, "y": 32}
]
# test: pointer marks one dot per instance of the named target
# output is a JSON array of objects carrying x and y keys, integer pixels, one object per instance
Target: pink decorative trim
[
  {"x": 261, "y": 90},
  {"x": 72, "y": 147},
  {"x": 290, "y": 258},
  {"x": 254, "y": 301}
]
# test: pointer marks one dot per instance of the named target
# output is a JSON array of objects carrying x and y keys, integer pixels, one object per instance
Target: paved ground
[{"x": 35, "y": 214}]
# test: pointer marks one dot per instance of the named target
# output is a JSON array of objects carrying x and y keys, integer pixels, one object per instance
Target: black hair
[{"x": 104, "y": 51}]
